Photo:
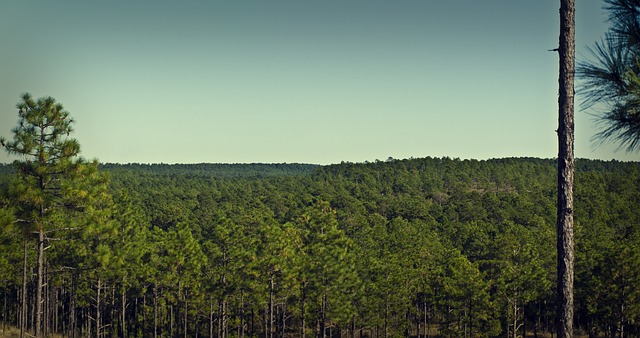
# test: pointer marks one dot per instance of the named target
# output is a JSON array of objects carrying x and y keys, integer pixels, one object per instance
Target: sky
[{"x": 277, "y": 81}]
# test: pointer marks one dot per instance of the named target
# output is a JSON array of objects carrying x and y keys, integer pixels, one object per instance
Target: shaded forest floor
[
  {"x": 14, "y": 332},
  {"x": 10, "y": 332}
]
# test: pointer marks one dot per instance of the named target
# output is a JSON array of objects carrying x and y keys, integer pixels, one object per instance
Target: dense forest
[{"x": 417, "y": 247}]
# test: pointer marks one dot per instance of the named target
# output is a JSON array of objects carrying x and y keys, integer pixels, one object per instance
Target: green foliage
[
  {"x": 462, "y": 247},
  {"x": 610, "y": 79}
]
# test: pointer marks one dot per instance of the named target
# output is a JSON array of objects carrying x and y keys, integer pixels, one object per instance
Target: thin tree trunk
[
  {"x": 323, "y": 320},
  {"x": 171, "y": 320},
  {"x": 46, "y": 302},
  {"x": 4, "y": 308},
  {"x": 123, "y": 309},
  {"x": 242, "y": 314},
  {"x": 271, "y": 307},
  {"x": 136, "y": 322},
  {"x": 186, "y": 306},
  {"x": 211, "y": 318},
  {"x": 303, "y": 333},
  {"x": 72, "y": 309},
  {"x": 220, "y": 318},
  {"x": 471, "y": 318},
  {"x": 155, "y": 311},
  {"x": 566, "y": 51},
  {"x": 353, "y": 327},
  {"x": 426, "y": 321},
  {"x": 225, "y": 322},
  {"x": 23, "y": 320},
  {"x": 284, "y": 319},
  {"x": 98, "y": 309},
  {"x": 265, "y": 317},
  {"x": 38, "y": 321},
  {"x": 515, "y": 317},
  {"x": 386, "y": 319}
]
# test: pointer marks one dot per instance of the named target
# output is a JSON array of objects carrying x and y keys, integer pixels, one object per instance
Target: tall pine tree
[{"x": 49, "y": 179}]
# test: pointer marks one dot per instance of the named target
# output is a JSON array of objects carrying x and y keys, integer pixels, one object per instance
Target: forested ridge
[{"x": 415, "y": 247}]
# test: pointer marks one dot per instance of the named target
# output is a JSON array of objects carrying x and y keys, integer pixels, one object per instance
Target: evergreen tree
[
  {"x": 328, "y": 276},
  {"x": 47, "y": 177},
  {"x": 612, "y": 77}
]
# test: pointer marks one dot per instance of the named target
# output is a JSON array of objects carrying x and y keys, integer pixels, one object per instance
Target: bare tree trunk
[
  {"x": 225, "y": 322},
  {"x": 566, "y": 50},
  {"x": 186, "y": 313},
  {"x": 38, "y": 322},
  {"x": 323, "y": 320},
  {"x": 123, "y": 309},
  {"x": 23, "y": 319},
  {"x": 46, "y": 302},
  {"x": 515, "y": 316},
  {"x": 98, "y": 308},
  {"x": 155, "y": 311},
  {"x": 271, "y": 307},
  {"x": 211, "y": 318},
  {"x": 302, "y": 326},
  {"x": 4, "y": 308},
  {"x": 242, "y": 315},
  {"x": 426, "y": 321}
]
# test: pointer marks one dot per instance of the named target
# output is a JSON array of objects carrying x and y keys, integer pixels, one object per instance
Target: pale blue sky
[{"x": 297, "y": 81}]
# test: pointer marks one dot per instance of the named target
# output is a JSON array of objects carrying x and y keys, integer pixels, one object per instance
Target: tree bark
[{"x": 565, "y": 244}]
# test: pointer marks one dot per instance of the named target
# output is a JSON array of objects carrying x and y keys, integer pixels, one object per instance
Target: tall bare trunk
[
  {"x": 186, "y": 313},
  {"x": 211, "y": 319},
  {"x": 98, "y": 309},
  {"x": 123, "y": 309},
  {"x": 302, "y": 324},
  {"x": 323, "y": 316},
  {"x": 566, "y": 50},
  {"x": 38, "y": 322},
  {"x": 271, "y": 307},
  {"x": 155, "y": 311},
  {"x": 23, "y": 319}
]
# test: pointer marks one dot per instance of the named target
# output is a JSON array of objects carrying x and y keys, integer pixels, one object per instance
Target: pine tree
[
  {"x": 328, "y": 271},
  {"x": 611, "y": 78},
  {"x": 47, "y": 178}
]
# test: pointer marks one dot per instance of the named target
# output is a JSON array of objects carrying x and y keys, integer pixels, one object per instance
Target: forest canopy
[{"x": 415, "y": 247}]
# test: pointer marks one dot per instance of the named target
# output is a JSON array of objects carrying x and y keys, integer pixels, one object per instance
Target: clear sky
[{"x": 297, "y": 81}]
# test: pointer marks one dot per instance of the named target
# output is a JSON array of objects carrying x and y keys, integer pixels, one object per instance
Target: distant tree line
[{"x": 218, "y": 169}]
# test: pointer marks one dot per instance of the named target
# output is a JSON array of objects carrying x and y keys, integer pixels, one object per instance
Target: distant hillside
[{"x": 221, "y": 170}]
